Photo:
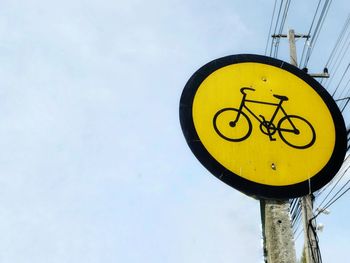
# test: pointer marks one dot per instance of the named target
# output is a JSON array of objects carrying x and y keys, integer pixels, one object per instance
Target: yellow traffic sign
[{"x": 263, "y": 126}]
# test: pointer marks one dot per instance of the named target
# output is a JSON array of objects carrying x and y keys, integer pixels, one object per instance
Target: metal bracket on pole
[
  {"x": 292, "y": 46},
  {"x": 319, "y": 75}
]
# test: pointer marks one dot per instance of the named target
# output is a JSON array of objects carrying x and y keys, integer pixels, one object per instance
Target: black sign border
[{"x": 251, "y": 188}]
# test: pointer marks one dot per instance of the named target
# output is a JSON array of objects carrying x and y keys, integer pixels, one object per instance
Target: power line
[
  {"x": 317, "y": 31},
  {"x": 339, "y": 58},
  {"x": 341, "y": 79},
  {"x": 269, "y": 34},
  {"x": 321, "y": 22},
  {"x": 335, "y": 197},
  {"x": 340, "y": 38},
  {"x": 297, "y": 236},
  {"x": 333, "y": 200},
  {"x": 274, "y": 41},
  {"x": 297, "y": 222},
  {"x": 279, "y": 26},
  {"x": 334, "y": 185},
  {"x": 316, "y": 254},
  {"x": 283, "y": 21},
  {"x": 312, "y": 23},
  {"x": 342, "y": 95}
]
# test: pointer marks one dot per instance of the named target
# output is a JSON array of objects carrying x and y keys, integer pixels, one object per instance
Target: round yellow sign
[{"x": 263, "y": 126}]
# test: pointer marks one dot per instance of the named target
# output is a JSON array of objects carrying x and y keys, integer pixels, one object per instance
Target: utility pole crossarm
[{"x": 295, "y": 36}]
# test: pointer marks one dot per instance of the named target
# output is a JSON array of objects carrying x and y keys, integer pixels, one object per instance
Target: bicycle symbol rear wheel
[
  {"x": 301, "y": 137},
  {"x": 229, "y": 127}
]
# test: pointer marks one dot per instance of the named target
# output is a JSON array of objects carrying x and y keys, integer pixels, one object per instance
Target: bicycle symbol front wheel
[
  {"x": 296, "y": 131},
  {"x": 231, "y": 128}
]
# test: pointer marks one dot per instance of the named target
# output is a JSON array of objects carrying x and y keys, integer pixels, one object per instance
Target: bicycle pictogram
[{"x": 234, "y": 125}]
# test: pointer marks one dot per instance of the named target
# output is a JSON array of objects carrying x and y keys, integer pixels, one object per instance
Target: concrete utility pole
[
  {"x": 306, "y": 201},
  {"x": 292, "y": 48},
  {"x": 278, "y": 235},
  {"x": 277, "y": 231},
  {"x": 310, "y": 243}
]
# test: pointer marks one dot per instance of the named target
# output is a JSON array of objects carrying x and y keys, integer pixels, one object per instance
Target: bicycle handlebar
[{"x": 246, "y": 88}]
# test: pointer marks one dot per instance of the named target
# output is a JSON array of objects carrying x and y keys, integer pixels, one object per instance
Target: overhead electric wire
[
  {"x": 345, "y": 102},
  {"x": 297, "y": 222},
  {"x": 331, "y": 203},
  {"x": 339, "y": 59},
  {"x": 308, "y": 34},
  {"x": 276, "y": 24},
  {"x": 319, "y": 25},
  {"x": 344, "y": 92},
  {"x": 342, "y": 95},
  {"x": 283, "y": 21},
  {"x": 326, "y": 9},
  {"x": 332, "y": 183},
  {"x": 341, "y": 79},
  {"x": 316, "y": 257},
  {"x": 278, "y": 20},
  {"x": 292, "y": 205},
  {"x": 339, "y": 40},
  {"x": 343, "y": 48},
  {"x": 332, "y": 189},
  {"x": 298, "y": 235},
  {"x": 295, "y": 214},
  {"x": 294, "y": 208},
  {"x": 317, "y": 31},
  {"x": 269, "y": 34},
  {"x": 335, "y": 50},
  {"x": 335, "y": 197}
]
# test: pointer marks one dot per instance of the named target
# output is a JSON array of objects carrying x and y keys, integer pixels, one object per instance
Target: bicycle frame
[
  {"x": 262, "y": 121},
  {"x": 228, "y": 118}
]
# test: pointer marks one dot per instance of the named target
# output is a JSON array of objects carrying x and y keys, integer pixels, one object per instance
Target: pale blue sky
[{"x": 94, "y": 166}]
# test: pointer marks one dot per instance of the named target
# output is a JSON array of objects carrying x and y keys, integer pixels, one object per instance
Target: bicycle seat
[
  {"x": 246, "y": 88},
  {"x": 280, "y": 97}
]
